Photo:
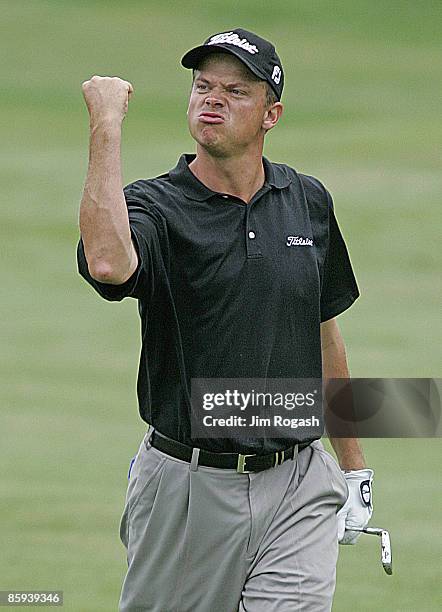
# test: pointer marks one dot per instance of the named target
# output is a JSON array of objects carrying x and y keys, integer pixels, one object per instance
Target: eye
[
  {"x": 201, "y": 86},
  {"x": 237, "y": 92}
]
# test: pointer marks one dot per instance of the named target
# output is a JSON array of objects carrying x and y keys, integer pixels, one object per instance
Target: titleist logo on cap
[{"x": 233, "y": 39}]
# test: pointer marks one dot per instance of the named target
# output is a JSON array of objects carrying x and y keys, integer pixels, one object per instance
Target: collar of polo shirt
[{"x": 194, "y": 189}]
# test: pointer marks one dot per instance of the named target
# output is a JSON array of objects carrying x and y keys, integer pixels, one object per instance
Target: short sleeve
[
  {"x": 145, "y": 237},
  {"x": 339, "y": 288}
]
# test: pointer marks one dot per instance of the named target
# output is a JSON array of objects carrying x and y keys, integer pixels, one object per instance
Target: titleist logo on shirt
[
  {"x": 299, "y": 241},
  {"x": 230, "y": 38}
]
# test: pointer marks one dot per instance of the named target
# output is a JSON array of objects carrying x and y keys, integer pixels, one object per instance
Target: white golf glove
[{"x": 357, "y": 510}]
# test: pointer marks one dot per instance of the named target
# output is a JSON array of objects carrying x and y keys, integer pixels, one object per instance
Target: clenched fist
[{"x": 107, "y": 98}]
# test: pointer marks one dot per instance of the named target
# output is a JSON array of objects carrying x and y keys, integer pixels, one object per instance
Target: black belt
[{"x": 243, "y": 464}]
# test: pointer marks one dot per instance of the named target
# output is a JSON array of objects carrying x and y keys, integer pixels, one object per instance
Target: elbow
[
  {"x": 111, "y": 271},
  {"x": 104, "y": 272}
]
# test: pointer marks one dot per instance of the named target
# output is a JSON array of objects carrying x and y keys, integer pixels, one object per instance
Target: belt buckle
[{"x": 241, "y": 463}]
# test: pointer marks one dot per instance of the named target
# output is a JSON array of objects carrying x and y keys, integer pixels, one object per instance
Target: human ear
[{"x": 272, "y": 115}]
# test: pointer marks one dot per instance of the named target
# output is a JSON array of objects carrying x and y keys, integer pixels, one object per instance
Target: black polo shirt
[{"x": 227, "y": 289}]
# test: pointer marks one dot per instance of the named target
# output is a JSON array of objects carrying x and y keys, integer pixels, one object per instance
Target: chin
[
  {"x": 210, "y": 143},
  {"x": 214, "y": 146},
  {"x": 210, "y": 140}
]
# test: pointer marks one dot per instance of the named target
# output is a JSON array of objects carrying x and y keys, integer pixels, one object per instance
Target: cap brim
[{"x": 193, "y": 57}]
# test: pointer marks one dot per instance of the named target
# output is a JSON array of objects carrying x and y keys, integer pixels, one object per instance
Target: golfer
[{"x": 240, "y": 270}]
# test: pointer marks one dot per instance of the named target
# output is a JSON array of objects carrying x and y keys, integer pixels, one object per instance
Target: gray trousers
[{"x": 203, "y": 539}]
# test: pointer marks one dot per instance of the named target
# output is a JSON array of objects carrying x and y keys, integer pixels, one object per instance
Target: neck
[{"x": 241, "y": 176}]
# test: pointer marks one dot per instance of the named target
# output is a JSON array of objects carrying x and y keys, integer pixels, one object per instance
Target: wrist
[
  {"x": 352, "y": 466},
  {"x": 348, "y": 464},
  {"x": 110, "y": 123}
]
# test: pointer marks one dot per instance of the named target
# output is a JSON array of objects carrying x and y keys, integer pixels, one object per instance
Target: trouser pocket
[
  {"x": 144, "y": 474},
  {"x": 336, "y": 479}
]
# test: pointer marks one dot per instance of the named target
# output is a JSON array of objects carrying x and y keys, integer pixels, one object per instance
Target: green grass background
[{"x": 362, "y": 112}]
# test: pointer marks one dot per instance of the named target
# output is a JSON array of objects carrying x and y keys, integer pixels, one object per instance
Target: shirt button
[{"x": 252, "y": 235}]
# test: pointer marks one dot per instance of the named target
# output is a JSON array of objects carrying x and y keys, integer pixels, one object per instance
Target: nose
[{"x": 213, "y": 101}]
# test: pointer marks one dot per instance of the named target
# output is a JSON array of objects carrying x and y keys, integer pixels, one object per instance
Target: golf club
[{"x": 386, "y": 557}]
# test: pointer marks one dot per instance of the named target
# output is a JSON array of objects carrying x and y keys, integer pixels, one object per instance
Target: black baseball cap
[{"x": 258, "y": 54}]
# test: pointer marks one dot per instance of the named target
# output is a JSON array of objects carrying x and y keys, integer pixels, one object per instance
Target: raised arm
[{"x": 104, "y": 221}]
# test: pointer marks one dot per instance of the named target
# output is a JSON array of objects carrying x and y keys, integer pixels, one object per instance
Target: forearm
[
  {"x": 334, "y": 365},
  {"x": 349, "y": 453},
  {"x": 104, "y": 222}
]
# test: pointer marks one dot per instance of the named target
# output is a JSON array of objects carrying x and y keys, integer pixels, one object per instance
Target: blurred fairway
[{"x": 362, "y": 113}]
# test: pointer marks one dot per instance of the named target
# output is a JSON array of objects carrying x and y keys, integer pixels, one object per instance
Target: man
[{"x": 239, "y": 269}]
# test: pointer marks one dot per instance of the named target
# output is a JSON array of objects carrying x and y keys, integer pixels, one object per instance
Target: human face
[{"x": 227, "y": 109}]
